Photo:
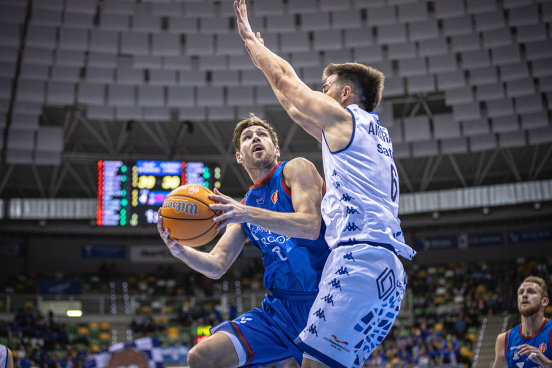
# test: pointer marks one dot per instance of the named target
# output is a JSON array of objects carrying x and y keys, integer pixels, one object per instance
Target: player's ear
[
  {"x": 346, "y": 93},
  {"x": 277, "y": 151},
  {"x": 238, "y": 157},
  {"x": 545, "y": 301}
]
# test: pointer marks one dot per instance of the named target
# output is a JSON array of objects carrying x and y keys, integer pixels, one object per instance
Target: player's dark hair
[
  {"x": 251, "y": 121},
  {"x": 540, "y": 282},
  {"x": 366, "y": 82}
]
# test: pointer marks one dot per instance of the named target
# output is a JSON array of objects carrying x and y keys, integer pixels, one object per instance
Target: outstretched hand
[
  {"x": 244, "y": 27},
  {"x": 232, "y": 210},
  {"x": 171, "y": 243}
]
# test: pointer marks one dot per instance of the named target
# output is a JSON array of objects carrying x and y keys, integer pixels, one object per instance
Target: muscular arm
[
  {"x": 318, "y": 107},
  {"x": 306, "y": 187},
  {"x": 215, "y": 263},
  {"x": 500, "y": 348},
  {"x": 311, "y": 126}
]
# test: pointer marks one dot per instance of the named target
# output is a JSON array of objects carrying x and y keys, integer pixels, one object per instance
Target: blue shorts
[{"x": 267, "y": 335}]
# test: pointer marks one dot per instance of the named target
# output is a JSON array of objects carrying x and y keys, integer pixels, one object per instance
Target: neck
[
  {"x": 530, "y": 325},
  {"x": 258, "y": 174}
]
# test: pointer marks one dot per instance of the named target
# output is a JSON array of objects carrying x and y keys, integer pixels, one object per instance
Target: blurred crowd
[{"x": 441, "y": 315}]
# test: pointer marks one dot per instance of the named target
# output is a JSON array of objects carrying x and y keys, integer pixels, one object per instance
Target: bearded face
[
  {"x": 530, "y": 299},
  {"x": 257, "y": 150}
]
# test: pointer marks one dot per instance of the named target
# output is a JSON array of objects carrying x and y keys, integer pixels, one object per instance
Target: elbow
[
  {"x": 216, "y": 274},
  {"x": 313, "y": 232}
]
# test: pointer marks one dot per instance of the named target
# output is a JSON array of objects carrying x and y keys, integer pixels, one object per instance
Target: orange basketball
[{"x": 187, "y": 215}]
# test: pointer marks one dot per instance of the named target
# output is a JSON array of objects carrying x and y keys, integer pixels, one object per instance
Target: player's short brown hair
[
  {"x": 365, "y": 81},
  {"x": 251, "y": 121},
  {"x": 540, "y": 282}
]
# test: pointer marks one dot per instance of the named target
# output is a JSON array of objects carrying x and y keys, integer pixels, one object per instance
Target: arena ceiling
[
  {"x": 88, "y": 141},
  {"x": 451, "y": 65}
]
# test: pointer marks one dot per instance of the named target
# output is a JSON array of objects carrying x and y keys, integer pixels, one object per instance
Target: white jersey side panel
[{"x": 362, "y": 188}]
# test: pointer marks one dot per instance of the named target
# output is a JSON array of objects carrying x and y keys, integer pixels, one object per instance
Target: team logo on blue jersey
[{"x": 274, "y": 197}]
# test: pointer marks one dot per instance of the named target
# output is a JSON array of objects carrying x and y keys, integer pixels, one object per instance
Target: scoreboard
[{"x": 129, "y": 194}]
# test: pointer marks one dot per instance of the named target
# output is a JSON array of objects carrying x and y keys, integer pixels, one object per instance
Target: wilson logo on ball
[{"x": 183, "y": 206}]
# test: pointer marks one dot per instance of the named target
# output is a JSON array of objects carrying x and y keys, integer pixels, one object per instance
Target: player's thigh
[{"x": 217, "y": 350}]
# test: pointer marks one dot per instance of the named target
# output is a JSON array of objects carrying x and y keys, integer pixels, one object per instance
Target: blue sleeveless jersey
[
  {"x": 291, "y": 264},
  {"x": 540, "y": 340}
]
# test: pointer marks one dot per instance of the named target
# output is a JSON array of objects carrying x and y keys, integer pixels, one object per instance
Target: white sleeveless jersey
[{"x": 361, "y": 203}]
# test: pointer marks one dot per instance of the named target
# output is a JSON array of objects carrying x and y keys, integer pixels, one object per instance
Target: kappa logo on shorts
[
  {"x": 328, "y": 299},
  {"x": 346, "y": 198},
  {"x": 386, "y": 283},
  {"x": 349, "y": 256},
  {"x": 342, "y": 271},
  {"x": 351, "y": 226},
  {"x": 352, "y": 211},
  {"x": 312, "y": 330},
  {"x": 274, "y": 197},
  {"x": 336, "y": 284},
  {"x": 320, "y": 314}
]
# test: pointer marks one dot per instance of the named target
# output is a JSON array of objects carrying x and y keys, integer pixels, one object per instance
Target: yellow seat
[
  {"x": 173, "y": 333},
  {"x": 93, "y": 325},
  {"x": 105, "y": 326},
  {"x": 83, "y": 331},
  {"x": 105, "y": 336}
]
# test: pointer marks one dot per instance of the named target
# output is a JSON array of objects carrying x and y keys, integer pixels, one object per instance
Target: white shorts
[{"x": 360, "y": 295}]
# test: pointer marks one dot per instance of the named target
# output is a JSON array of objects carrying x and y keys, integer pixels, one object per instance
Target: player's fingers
[
  {"x": 222, "y": 225},
  {"x": 222, "y": 217},
  {"x": 220, "y": 207}
]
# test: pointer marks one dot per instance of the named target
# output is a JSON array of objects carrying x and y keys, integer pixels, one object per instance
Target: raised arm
[
  {"x": 215, "y": 263},
  {"x": 315, "y": 105},
  {"x": 306, "y": 187},
  {"x": 311, "y": 126}
]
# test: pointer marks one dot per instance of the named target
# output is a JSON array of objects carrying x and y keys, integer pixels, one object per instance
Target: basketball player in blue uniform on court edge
[
  {"x": 527, "y": 345},
  {"x": 363, "y": 281},
  {"x": 280, "y": 215}
]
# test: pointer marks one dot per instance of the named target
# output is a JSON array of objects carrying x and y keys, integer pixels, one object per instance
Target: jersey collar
[{"x": 268, "y": 177}]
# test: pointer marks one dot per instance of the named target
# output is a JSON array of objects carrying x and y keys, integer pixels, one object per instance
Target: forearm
[
  {"x": 204, "y": 263},
  {"x": 310, "y": 126},
  {"x": 274, "y": 67},
  {"x": 292, "y": 224}
]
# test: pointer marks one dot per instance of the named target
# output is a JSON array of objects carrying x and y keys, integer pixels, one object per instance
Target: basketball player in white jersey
[
  {"x": 363, "y": 281},
  {"x": 6, "y": 357}
]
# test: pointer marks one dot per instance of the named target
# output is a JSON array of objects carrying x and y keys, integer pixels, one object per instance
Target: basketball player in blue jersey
[
  {"x": 529, "y": 344},
  {"x": 363, "y": 281},
  {"x": 280, "y": 215}
]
